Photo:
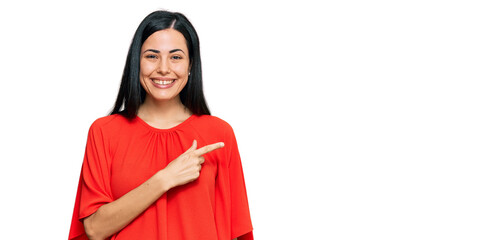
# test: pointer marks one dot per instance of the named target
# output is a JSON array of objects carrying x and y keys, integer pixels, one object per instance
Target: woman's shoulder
[
  {"x": 109, "y": 122},
  {"x": 213, "y": 122},
  {"x": 212, "y": 126}
]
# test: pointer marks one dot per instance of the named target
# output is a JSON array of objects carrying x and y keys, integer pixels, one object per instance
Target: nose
[{"x": 164, "y": 67}]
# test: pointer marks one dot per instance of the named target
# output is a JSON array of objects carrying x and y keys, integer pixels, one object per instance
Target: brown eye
[
  {"x": 176, "y": 57},
  {"x": 151, "y": 56}
]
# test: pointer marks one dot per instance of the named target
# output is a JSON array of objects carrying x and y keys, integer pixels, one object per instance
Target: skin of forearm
[{"x": 112, "y": 217}]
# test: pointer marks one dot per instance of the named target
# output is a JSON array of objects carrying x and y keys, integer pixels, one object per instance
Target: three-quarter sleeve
[
  {"x": 240, "y": 221},
  {"x": 94, "y": 184},
  {"x": 240, "y": 213}
]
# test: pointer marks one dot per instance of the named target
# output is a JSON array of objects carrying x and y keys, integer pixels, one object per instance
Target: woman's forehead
[{"x": 166, "y": 40}]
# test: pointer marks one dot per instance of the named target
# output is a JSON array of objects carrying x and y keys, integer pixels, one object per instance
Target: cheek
[
  {"x": 146, "y": 68},
  {"x": 145, "y": 71},
  {"x": 181, "y": 71},
  {"x": 183, "y": 75}
]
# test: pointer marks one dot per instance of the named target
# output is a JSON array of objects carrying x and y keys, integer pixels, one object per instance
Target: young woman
[{"x": 159, "y": 166}]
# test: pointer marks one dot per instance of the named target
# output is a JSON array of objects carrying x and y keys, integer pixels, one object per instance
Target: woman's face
[{"x": 164, "y": 65}]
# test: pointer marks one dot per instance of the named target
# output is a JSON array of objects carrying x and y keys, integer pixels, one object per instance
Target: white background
[{"x": 355, "y": 119}]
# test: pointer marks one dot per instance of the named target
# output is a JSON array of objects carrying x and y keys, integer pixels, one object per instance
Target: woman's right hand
[{"x": 186, "y": 167}]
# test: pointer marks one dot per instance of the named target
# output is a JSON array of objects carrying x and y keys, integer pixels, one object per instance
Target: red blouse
[{"x": 121, "y": 154}]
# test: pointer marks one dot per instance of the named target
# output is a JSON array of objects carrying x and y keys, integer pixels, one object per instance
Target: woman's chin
[{"x": 161, "y": 98}]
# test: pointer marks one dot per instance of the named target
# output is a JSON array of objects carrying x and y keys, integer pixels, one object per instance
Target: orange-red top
[{"x": 122, "y": 154}]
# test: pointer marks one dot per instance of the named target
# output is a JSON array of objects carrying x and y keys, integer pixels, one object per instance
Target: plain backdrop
[{"x": 355, "y": 119}]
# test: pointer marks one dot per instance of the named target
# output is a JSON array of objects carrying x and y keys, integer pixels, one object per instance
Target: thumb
[{"x": 193, "y": 147}]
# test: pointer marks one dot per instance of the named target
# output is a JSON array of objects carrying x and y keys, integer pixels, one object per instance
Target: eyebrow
[
  {"x": 152, "y": 50},
  {"x": 176, "y": 50},
  {"x": 157, "y": 51}
]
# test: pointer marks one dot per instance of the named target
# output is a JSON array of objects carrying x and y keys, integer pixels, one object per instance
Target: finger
[
  {"x": 201, "y": 160},
  {"x": 208, "y": 148},
  {"x": 193, "y": 147}
]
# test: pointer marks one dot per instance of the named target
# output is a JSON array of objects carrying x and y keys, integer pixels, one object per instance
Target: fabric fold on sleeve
[
  {"x": 94, "y": 184},
  {"x": 241, "y": 225}
]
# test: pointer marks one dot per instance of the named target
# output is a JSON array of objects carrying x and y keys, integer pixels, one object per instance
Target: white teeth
[{"x": 163, "y": 82}]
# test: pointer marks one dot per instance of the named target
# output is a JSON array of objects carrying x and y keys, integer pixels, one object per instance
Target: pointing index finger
[{"x": 208, "y": 148}]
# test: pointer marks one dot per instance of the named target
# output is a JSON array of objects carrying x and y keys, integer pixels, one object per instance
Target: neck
[{"x": 163, "y": 112}]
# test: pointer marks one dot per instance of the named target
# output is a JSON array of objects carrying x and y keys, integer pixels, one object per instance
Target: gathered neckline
[{"x": 138, "y": 119}]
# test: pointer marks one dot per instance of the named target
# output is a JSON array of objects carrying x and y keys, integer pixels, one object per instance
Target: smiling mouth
[{"x": 162, "y": 82}]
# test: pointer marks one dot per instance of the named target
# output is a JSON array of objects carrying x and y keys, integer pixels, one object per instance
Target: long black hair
[{"x": 131, "y": 93}]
